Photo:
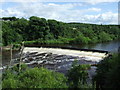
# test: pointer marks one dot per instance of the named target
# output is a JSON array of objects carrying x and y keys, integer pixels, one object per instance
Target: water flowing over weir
[
  {"x": 87, "y": 55},
  {"x": 61, "y": 57}
]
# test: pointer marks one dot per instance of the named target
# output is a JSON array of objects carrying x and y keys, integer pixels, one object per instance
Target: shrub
[
  {"x": 78, "y": 75},
  {"x": 108, "y": 73},
  {"x": 33, "y": 78},
  {"x": 81, "y": 40}
]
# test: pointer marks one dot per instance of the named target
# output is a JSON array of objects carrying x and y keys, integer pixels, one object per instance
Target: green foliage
[
  {"x": 16, "y": 46},
  {"x": 9, "y": 18},
  {"x": 16, "y": 68},
  {"x": 41, "y": 31},
  {"x": 103, "y": 37},
  {"x": 108, "y": 73},
  {"x": 10, "y": 83},
  {"x": 78, "y": 75},
  {"x": 81, "y": 40},
  {"x": 42, "y": 78},
  {"x": 38, "y": 28},
  {"x": 9, "y": 35},
  {"x": 30, "y": 42},
  {"x": 33, "y": 78}
]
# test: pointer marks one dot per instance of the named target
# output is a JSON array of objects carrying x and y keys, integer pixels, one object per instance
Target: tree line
[{"x": 37, "y": 30}]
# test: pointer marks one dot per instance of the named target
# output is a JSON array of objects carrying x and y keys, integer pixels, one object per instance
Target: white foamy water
[
  {"x": 86, "y": 55},
  {"x": 90, "y": 56}
]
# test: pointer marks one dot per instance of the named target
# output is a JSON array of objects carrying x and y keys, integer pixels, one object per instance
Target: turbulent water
[
  {"x": 90, "y": 56},
  {"x": 60, "y": 57}
]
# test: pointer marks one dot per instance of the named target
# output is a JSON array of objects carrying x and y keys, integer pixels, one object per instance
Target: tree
[
  {"x": 41, "y": 30},
  {"x": 81, "y": 40},
  {"x": 77, "y": 75},
  {"x": 103, "y": 37},
  {"x": 10, "y": 18},
  {"x": 33, "y": 78},
  {"x": 38, "y": 28},
  {"x": 9, "y": 35},
  {"x": 108, "y": 72}
]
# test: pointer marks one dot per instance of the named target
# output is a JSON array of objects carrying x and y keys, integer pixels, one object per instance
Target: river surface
[
  {"x": 108, "y": 46},
  {"x": 65, "y": 63}
]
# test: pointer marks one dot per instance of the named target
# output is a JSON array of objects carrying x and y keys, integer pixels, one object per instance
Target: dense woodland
[{"x": 37, "y": 30}]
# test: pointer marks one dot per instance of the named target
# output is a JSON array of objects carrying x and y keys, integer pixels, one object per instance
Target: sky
[{"x": 83, "y": 11}]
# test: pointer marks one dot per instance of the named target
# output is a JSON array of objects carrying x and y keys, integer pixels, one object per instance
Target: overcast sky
[{"x": 83, "y": 11}]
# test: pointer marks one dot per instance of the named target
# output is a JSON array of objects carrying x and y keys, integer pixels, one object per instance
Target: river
[
  {"x": 64, "y": 62},
  {"x": 111, "y": 47},
  {"x": 108, "y": 46}
]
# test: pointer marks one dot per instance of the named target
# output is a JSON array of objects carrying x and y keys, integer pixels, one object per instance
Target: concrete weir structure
[
  {"x": 60, "y": 57},
  {"x": 89, "y": 55}
]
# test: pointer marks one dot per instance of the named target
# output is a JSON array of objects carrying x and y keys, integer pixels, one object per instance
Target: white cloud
[
  {"x": 100, "y": 1},
  {"x": 104, "y": 18},
  {"x": 90, "y": 1},
  {"x": 20, "y": 0},
  {"x": 94, "y": 9},
  {"x": 39, "y": 9},
  {"x": 61, "y": 12}
]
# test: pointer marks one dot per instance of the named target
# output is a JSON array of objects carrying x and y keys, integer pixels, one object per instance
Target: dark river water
[{"x": 108, "y": 46}]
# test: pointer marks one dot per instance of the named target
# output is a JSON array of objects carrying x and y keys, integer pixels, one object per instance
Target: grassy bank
[{"x": 80, "y": 41}]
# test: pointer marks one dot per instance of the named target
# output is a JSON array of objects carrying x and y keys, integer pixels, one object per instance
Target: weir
[
  {"x": 90, "y": 55},
  {"x": 59, "y": 58}
]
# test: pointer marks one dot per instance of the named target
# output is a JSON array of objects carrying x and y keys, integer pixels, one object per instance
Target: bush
[
  {"x": 78, "y": 75},
  {"x": 81, "y": 40},
  {"x": 33, "y": 78},
  {"x": 29, "y": 42},
  {"x": 16, "y": 46},
  {"x": 108, "y": 73},
  {"x": 104, "y": 37}
]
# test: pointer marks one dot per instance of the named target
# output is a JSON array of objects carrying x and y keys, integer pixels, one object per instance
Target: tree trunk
[{"x": 21, "y": 52}]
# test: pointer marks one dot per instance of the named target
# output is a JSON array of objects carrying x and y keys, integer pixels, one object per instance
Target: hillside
[{"x": 41, "y": 31}]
